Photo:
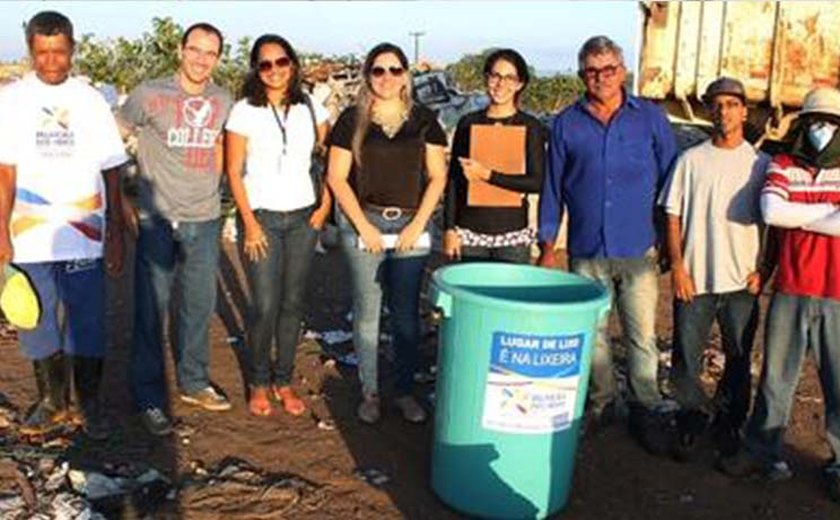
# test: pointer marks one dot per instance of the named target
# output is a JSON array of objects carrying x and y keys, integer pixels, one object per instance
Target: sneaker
[
  {"x": 156, "y": 421},
  {"x": 654, "y": 431},
  {"x": 411, "y": 409},
  {"x": 208, "y": 398},
  {"x": 743, "y": 464},
  {"x": 831, "y": 478},
  {"x": 369, "y": 410}
]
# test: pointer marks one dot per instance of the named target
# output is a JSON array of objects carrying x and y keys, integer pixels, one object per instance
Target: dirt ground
[{"x": 614, "y": 478}]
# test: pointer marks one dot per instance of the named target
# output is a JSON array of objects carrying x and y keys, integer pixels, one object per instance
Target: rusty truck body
[{"x": 780, "y": 50}]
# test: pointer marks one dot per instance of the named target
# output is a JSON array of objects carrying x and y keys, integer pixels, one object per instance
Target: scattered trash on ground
[{"x": 372, "y": 476}]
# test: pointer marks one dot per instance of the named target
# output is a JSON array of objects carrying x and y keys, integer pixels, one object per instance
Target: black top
[
  {"x": 488, "y": 219},
  {"x": 392, "y": 169}
]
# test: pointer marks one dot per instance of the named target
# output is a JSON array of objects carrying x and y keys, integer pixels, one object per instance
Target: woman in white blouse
[{"x": 271, "y": 135}]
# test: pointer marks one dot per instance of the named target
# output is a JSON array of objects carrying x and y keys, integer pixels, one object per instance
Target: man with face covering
[{"x": 800, "y": 198}]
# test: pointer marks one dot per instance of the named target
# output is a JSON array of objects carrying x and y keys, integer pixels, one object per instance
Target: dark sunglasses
[
  {"x": 280, "y": 63},
  {"x": 378, "y": 72}
]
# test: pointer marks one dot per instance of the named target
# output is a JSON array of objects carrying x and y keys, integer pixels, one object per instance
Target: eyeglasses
[
  {"x": 590, "y": 73},
  {"x": 378, "y": 72},
  {"x": 281, "y": 63},
  {"x": 198, "y": 53},
  {"x": 494, "y": 77}
]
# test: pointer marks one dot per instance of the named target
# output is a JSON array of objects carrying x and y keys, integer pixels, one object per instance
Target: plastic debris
[
  {"x": 372, "y": 476},
  {"x": 326, "y": 425}
]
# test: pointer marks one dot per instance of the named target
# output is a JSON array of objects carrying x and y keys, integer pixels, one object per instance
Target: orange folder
[{"x": 501, "y": 148}]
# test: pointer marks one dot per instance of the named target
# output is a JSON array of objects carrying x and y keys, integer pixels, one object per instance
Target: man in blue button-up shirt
[{"x": 609, "y": 155}]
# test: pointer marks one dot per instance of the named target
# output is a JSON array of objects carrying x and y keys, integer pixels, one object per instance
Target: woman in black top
[
  {"x": 387, "y": 169},
  {"x": 488, "y": 232}
]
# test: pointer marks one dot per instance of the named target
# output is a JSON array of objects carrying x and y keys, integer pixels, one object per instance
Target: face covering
[{"x": 820, "y": 134}]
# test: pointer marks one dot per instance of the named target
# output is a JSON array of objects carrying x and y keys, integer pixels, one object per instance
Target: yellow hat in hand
[{"x": 18, "y": 299}]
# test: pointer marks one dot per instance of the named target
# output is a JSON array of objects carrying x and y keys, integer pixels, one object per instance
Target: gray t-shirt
[
  {"x": 715, "y": 192},
  {"x": 177, "y": 132}
]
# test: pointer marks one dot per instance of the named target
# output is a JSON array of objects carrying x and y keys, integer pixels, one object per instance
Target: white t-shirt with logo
[
  {"x": 276, "y": 180},
  {"x": 60, "y": 138}
]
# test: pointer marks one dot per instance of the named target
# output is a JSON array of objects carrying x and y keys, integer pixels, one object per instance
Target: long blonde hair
[{"x": 364, "y": 105}]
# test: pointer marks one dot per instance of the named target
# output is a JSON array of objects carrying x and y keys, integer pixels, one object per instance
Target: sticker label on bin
[{"x": 533, "y": 382}]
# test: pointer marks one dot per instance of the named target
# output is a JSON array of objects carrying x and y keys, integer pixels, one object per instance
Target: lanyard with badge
[{"x": 280, "y": 125}]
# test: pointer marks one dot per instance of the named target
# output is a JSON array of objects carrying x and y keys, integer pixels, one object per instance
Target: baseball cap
[{"x": 725, "y": 85}]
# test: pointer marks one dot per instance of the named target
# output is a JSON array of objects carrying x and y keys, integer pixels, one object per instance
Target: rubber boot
[
  {"x": 49, "y": 412},
  {"x": 87, "y": 375}
]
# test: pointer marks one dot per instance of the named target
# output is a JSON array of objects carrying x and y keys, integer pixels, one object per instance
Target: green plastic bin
[{"x": 513, "y": 369}]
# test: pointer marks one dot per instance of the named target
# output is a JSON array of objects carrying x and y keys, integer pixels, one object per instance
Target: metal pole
[{"x": 416, "y": 35}]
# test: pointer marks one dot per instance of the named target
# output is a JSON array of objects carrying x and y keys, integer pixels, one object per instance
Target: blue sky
[{"x": 548, "y": 33}]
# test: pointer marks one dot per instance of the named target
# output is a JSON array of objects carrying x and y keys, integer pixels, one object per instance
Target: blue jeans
[
  {"x": 737, "y": 316},
  {"x": 278, "y": 289},
  {"x": 78, "y": 287},
  {"x": 795, "y": 323},
  {"x": 399, "y": 276},
  {"x": 184, "y": 255},
  {"x": 633, "y": 284},
  {"x": 510, "y": 254}
]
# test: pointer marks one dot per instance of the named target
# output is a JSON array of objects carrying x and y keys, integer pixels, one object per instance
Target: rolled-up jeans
[
  {"x": 397, "y": 274},
  {"x": 633, "y": 284},
  {"x": 278, "y": 289},
  {"x": 184, "y": 255}
]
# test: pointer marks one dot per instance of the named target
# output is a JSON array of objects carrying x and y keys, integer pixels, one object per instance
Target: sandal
[
  {"x": 259, "y": 403},
  {"x": 292, "y": 404}
]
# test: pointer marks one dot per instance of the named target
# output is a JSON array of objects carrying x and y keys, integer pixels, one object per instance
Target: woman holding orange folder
[{"x": 485, "y": 209}]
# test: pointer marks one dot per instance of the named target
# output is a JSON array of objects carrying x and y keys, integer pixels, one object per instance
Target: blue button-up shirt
[{"x": 607, "y": 177}]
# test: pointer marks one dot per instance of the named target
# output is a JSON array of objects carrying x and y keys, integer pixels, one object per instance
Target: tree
[{"x": 125, "y": 63}]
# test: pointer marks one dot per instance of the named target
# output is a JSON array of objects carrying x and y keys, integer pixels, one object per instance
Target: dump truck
[{"x": 779, "y": 50}]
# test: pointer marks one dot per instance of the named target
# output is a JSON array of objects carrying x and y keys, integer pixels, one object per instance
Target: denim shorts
[{"x": 79, "y": 287}]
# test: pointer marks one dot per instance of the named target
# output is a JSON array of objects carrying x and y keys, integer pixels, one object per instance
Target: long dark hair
[
  {"x": 254, "y": 90},
  {"x": 365, "y": 97},
  {"x": 515, "y": 59}
]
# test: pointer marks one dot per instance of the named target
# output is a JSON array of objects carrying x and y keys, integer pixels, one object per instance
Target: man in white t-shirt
[
  {"x": 714, "y": 243},
  {"x": 60, "y": 153}
]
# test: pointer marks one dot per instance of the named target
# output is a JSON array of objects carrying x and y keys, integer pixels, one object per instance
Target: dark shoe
[
  {"x": 654, "y": 431},
  {"x": 156, "y": 421},
  {"x": 411, "y": 409},
  {"x": 691, "y": 424},
  {"x": 743, "y": 464},
  {"x": 369, "y": 410},
  {"x": 87, "y": 375},
  {"x": 597, "y": 421},
  {"x": 51, "y": 409},
  {"x": 831, "y": 478},
  {"x": 726, "y": 436}
]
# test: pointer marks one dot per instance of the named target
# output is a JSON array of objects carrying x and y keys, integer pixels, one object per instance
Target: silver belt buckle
[{"x": 391, "y": 213}]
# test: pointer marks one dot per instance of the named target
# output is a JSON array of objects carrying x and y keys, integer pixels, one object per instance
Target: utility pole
[{"x": 416, "y": 35}]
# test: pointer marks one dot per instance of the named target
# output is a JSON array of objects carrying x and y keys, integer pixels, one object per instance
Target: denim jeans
[
  {"x": 184, "y": 255},
  {"x": 510, "y": 254},
  {"x": 795, "y": 323},
  {"x": 278, "y": 288},
  {"x": 399, "y": 276},
  {"x": 633, "y": 284},
  {"x": 737, "y": 316}
]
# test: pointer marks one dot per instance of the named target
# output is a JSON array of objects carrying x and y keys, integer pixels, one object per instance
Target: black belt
[{"x": 389, "y": 212}]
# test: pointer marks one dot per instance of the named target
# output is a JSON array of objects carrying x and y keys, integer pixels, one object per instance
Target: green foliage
[{"x": 543, "y": 95}]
